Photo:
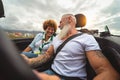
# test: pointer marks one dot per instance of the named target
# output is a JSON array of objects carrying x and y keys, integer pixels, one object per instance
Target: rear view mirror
[{"x": 1, "y": 9}]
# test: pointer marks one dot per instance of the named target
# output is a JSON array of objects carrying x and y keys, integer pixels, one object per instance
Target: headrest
[{"x": 81, "y": 20}]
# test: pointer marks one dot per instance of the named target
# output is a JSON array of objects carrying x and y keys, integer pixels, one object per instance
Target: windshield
[{"x": 28, "y": 15}]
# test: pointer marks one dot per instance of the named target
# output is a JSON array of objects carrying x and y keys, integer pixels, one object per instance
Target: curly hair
[{"x": 50, "y": 23}]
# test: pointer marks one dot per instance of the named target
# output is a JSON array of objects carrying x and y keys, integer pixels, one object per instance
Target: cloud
[{"x": 30, "y": 14}]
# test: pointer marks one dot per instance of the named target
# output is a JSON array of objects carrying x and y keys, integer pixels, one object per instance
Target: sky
[{"x": 30, "y": 14}]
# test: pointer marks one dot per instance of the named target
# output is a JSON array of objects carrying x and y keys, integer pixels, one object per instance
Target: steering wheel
[{"x": 12, "y": 65}]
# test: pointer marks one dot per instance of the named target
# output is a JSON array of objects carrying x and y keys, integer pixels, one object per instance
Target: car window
[{"x": 24, "y": 18}]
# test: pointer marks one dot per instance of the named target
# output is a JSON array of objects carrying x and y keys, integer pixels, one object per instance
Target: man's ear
[{"x": 69, "y": 19}]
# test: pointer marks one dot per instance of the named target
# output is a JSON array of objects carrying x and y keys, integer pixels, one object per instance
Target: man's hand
[
  {"x": 25, "y": 58},
  {"x": 37, "y": 61}
]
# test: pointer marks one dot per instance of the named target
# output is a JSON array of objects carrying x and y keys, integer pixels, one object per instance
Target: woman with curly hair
[{"x": 42, "y": 41}]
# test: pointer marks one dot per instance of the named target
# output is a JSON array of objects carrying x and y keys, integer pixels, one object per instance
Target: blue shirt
[{"x": 37, "y": 43}]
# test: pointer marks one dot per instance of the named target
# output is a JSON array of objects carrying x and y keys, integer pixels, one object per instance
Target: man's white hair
[
  {"x": 67, "y": 27},
  {"x": 68, "y": 15}
]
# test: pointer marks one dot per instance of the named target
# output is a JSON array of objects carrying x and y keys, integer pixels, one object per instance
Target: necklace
[{"x": 45, "y": 42}]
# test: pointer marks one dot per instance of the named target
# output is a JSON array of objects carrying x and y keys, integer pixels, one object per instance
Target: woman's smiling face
[{"x": 50, "y": 31}]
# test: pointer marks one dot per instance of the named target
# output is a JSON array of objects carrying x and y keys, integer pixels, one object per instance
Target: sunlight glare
[{"x": 93, "y": 13}]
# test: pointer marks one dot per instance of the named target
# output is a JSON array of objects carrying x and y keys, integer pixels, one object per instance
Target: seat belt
[{"x": 63, "y": 44}]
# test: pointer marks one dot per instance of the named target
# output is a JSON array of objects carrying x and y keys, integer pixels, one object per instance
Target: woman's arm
[
  {"x": 32, "y": 44},
  {"x": 27, "y": 49}
]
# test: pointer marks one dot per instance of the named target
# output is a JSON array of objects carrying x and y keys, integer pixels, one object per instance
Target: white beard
[{"x": 63, "y": 33}]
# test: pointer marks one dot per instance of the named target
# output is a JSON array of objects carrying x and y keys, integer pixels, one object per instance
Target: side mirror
[
  {"x": 107, "y": 29},
  {"x": 106, "y": 32}
]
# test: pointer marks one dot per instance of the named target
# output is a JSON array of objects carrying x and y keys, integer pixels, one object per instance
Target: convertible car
[{"x": 13, "y": 67}]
